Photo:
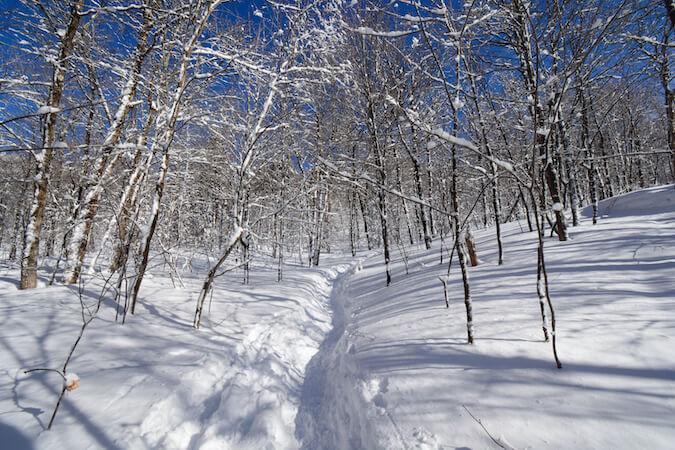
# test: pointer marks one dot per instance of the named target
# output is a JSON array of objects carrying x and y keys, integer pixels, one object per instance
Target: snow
[
  {"x": 156, "y": 382},
  {"x": 457, "y": 103},
  {"x": 71, "y": 381},
  {"x": 504, "y": 165},
  {"x": 45, "y": 109},
  {"x": 331, "y": 358},
  {"x": 389, "y": 34},
  {"x": 557, "y": 207},
  {"x": 543, "y": 131}
]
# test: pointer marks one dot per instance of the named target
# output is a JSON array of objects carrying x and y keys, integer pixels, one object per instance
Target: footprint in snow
[{"x": 424, "y": 440}]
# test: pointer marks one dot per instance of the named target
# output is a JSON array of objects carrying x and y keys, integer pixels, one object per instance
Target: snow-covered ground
[
  {"x": 331, "y": 358},
  {"x": 156, "y": 382}
]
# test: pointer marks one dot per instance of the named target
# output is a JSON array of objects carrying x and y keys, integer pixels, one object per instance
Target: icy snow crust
[{"x": 332, "y": 359}]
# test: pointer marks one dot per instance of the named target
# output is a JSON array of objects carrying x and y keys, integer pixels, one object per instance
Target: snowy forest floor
[{"x": 331, "y": 358}]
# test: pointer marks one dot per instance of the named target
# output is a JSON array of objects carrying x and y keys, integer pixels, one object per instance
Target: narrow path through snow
[
  {"x": 337, "y": 408},
  {"x": 326, "y": 416}
]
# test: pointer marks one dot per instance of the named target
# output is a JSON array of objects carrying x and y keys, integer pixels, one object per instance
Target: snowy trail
[
  {"x": 330, "y": 412},
  {"x": 340, "y": 408},
  {"x": 252, "y": 401}
]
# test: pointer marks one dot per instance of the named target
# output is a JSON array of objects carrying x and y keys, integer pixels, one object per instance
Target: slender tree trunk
[
  {"x": 381, "y": 195},
  {"x": 352, "y": 218},
  {"x": 588, "y": 146},
  {"x": 382, "y": 203},
  {"x": 404, "y": 204},
  {"x": 669, "y": 93},
  {"x": 573, "y": 190},
  {"x": 29, "y": 261},
  {"x": 365, "y": 222},
  {"x": 280, "y": 248},
  {"x": 108, "y": 161}
]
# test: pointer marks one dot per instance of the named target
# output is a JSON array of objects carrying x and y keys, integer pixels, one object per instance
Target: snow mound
[{"x": 640, "y": 203}]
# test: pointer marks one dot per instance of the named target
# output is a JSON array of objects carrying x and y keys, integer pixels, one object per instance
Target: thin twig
[{"x": 496, "y": 441}]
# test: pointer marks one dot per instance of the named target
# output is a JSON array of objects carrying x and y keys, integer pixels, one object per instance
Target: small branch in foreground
[
  {"x": 500, "y": 442},
  {"x": 70, "y": 379},
  {"x": 70, "y": 382}
]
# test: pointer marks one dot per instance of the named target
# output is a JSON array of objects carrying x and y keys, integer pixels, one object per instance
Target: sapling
[{"x": 70, "y": 379}]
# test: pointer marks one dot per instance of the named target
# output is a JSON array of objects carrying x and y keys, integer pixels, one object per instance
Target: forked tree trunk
[
  {"x": 109, "y": 160},
  {"x": 206, "y": 288},
  {"x": 164, "y": 138}
]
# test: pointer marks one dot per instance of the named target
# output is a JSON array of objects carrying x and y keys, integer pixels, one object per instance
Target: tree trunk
[
  {"x": 573, "y": 190},
  {"x": 108, "y": 162},
  {"x": 206, "y": 288},
  {"x": 669, "y": 93},
  {"x": 588, "y": 146},
  {"x": 365, "y": 222},
  {"x": 149, "y": 234},
  {"x": 29, "y": 261}
]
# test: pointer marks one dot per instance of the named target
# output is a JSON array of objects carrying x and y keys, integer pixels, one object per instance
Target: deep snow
[{"x": 331, "y": 358}]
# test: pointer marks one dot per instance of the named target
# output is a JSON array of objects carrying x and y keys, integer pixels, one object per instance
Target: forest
[
  {"x": 288, "y": 128},
  {"x": 224, "y": 146}
]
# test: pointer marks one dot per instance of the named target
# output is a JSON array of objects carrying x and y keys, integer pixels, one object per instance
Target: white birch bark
[{"x": 29, "y": 261}]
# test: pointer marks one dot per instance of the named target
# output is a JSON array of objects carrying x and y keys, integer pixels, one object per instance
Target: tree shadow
[{"x": 12, "y": 438}]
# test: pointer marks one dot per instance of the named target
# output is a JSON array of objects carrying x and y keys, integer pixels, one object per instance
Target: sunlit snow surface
[{"x": 330, "y": 358}]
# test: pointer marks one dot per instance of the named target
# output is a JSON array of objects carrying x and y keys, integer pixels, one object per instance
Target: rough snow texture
[
  {"x": 393, "y": 369},
  {"x": 156, "y": 382}
]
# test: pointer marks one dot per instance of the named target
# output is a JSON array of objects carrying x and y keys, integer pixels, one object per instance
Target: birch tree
[
  {"x": 50, "y": 110},
  {"x": 110, "y": 154}
]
